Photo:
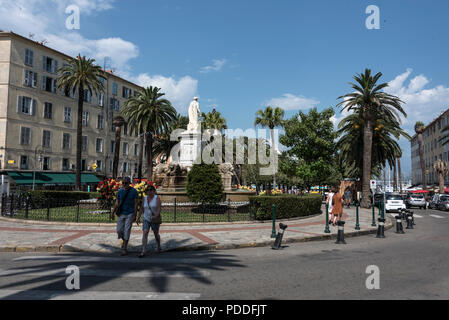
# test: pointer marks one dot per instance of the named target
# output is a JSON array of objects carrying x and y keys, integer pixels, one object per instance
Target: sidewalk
[{"x": 30, "y": 236}]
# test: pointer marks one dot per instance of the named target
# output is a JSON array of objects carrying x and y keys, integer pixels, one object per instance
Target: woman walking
[
  {"x": 151, "y": 209},
  {"x": 329, "y": 202},
  {"x": 337, "y": 210}
]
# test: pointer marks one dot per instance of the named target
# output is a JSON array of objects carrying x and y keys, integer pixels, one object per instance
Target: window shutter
[
  {"x": 26, "y": 82},
  {"x": 53, "y": 85},
  {"x": 44, "y": 81},
  {"x": 34, "y": 80},
  {"x": 44, "y": 62},
  {"x": 55, "y": 66},
  {"x": 33, "y": 107},
  {"x": 19, "y": 104}
]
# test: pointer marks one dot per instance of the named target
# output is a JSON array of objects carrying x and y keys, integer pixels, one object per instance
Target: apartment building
[
  {"x": 432, "y": 151},
  {"x": 38, "y": 121}
]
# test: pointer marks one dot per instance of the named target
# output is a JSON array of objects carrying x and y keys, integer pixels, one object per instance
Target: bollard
[
  {"x": 374, "y": 216},
  {"x": 404, "y": 214},
  {"x": 273, "y": 215},
  {"x": 326, "y": 229},
  {"x": 399, "y": 228},
  {"x": 341, "y": 233},
  {"x": 381, "y": 228},
  {"x": 357, "y": 225},
  {"x": 413, "y": 218},
  {"x": 278, "y": 241},
  {"x": 409, "y": 221}
]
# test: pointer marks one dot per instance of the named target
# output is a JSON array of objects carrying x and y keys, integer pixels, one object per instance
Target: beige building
[
  {"x": 433, "y": 150},
  {"x": 38, "y": 122}
]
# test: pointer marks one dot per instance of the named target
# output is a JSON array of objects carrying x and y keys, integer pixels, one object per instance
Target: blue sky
[{"x": 244, "y": 55}]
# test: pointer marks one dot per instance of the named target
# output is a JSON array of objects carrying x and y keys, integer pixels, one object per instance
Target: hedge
[
  {"x": 40, "y": 198},
  {"x": 287, "y": 206}
]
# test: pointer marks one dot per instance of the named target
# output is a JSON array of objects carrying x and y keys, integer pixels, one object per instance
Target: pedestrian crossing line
[
  {"x": 94, "y": 295},
  {"x": 436, "y": 216},
  {"x": 106, "y": 273},
  {"x": 417, "y": 216},
  {"x": 149, "y": 260}
]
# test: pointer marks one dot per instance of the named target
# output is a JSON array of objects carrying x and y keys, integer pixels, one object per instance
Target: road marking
[
  {"x": 417, "y": 216},
  {"x": 94, "y": 295},
  {"x": 436, "y": 216},
  {"x": 105, "y": 273},
  {"x": 148, "y": 259}
]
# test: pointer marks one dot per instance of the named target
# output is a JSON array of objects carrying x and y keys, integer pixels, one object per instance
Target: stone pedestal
[{"x": 190, "y": 149}]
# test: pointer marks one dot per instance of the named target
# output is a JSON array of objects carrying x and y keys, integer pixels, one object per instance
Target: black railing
[{"x": 70, "y": 210}]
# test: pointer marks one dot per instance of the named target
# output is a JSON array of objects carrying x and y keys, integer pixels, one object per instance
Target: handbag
[
  {"x": 120, "y": 207},
  {"x": 155, "y": 220}
]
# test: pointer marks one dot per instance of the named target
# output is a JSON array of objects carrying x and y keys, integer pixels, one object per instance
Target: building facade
[
  {"x": 38, "y": 121},
  {"x": 433, "y": 149}
]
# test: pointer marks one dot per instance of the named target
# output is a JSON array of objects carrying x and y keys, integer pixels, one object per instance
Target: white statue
[{"x": 194, "y": 111}]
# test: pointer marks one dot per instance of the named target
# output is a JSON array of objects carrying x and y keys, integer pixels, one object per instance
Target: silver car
[{"x": 415, "y": 200}]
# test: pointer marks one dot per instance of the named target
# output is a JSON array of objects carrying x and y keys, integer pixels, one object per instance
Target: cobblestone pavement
[{"x": 24, "y": 236}]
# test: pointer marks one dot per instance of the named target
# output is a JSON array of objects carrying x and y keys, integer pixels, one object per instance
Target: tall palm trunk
[
  {"x": 79, "y": 137},
  {"x": 367, "y": 148},
  {"x": 400, "y": 175},
  {"x": 274, "y": 157},
  {"x": 118, "y": 139},
  {"x": 149, "y": 156},
  {"x": 423, "y": 165},
  {"x": 395, "y": 177},
  {"x": 141, "y": 142},
  {"x": 441, "y": 175}
]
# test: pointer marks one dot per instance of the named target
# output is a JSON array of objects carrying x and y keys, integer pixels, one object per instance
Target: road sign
[{"x": 373, "y": 184}]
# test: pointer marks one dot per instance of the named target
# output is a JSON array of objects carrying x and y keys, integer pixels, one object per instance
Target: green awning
[{"x": 40, "y": 178}]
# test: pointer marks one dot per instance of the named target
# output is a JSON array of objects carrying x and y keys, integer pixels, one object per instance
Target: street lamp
[{"x": 36, "y": 158}]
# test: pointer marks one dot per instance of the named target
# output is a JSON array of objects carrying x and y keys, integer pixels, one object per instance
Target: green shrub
[
  {"x": 287, "y": 206},
  {"x": 204, "y": 184},
  {"x": 40, "y": 198}
]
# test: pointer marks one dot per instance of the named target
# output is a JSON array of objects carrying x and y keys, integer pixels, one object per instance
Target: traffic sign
[{"x": 373, "y": 184}]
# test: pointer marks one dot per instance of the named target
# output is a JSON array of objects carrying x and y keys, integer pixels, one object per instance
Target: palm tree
[
  {"x": 369, "y": 100},
  {"x": 163, "y": 145},
  {"x": 80, "y": 75},
  {"x": 400, "y": 174},
  {"x": 151, "y": 114},
  {"x": 271, "y": 118},
  {"x": 442, "y": 169},
  {"x": 118, "y": 123},
  {"x": 213, "y": 120},
  {"x": 419, "y": 129}
]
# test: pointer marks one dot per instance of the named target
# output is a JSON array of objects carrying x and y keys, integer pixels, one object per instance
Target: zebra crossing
[
  {"x": 436, "y": 216},
  {"x": 36, "y": 268}
]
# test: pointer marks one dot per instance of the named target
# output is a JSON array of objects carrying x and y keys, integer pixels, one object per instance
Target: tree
[
  {"x": 271, "y": 118},
  {"x": 442, "y": 169},
  {"x": 118, "y": 123},
  {"x": 163, "y": 145},
  {"x": 149, "y": 114},
  {"x": 369, "y": 100},
  {"x": 213, "y": 120},
  {"x": 419, "y": 129},
  {"x": 80, "y": 75},
  {"x": 204, "y": 184}
]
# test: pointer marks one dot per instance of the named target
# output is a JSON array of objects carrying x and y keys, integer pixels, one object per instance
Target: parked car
[
  {"x": 440, "y": 202},
  {"x": 415, "y": 200},
  {"x": 394, "y": 202}
]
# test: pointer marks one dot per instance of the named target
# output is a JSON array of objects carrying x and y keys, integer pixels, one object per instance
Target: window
[
  {"x": 85, "y": 118},
  {"x": 27, "y": 106},
  {"x": 125, "y": 149},
  {"x": 99, "y": 165},
  {"x": 100, "y": 122},
  {"x": 136, "y": 93},
  {"x": 125, "y": 166},
  {"x": 25, "y": 136},
  {"x": 46, "y": 139},
  {"x": 83, "y": 165},
  {"x": 112, "y": 146},
  {"x": 23, "y": 162},
  {"x": 69, "y": 93},
  {"x": 126, "y": 92},
  {"x": 87, "y": 96},
  {"x": 99, "y": 145},
  {"x": 48, "y": 110},
  {"x": 30, "y": 79},
  {"x": 46, "y": 164},
  {"x": 66, "y": 141},
  {"x": 114, "y": 104},
  {"x": 84, "y": 143},
  {"x": 49, "y": 64},
  {"x": 67, "y": 114},
  {"x": 111, "y": 165},
  {"x": 65, "y": 164},
  {"x": 114, "y": 89},
  {"x": 101, "y": 99},
  {"x": 136, "y": 150},
  {"x": 29, "y": 57},
  {"x": 48, "y": 84},
  {"x": 125, "y": 129}
]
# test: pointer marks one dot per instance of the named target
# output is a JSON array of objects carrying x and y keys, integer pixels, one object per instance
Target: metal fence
[{"x": 71, "y": 210}]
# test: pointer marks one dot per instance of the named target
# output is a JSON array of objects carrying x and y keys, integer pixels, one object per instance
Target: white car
[{"x": 395, "y": 202}]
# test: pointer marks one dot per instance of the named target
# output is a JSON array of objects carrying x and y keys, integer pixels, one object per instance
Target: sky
[{"x": 241, "y": 56}]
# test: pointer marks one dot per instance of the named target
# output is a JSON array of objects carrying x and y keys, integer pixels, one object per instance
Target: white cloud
[
  {"x": 216, "y": 66},
  {"x": 179, "y": 92},
  {"x": 291, "y": 102}
]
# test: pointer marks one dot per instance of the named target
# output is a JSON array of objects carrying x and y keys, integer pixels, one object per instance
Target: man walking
[{"x": 126, "y": 209}]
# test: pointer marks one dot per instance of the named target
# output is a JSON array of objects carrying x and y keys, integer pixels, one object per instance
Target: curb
[{"x": 206, "y": 247}]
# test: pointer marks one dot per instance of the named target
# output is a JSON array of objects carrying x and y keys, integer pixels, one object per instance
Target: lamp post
[{"x": 36, "y": 158}]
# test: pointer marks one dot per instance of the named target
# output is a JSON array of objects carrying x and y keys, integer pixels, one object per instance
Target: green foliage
[
  {"x": 213, "y": 120},
  {"x": 204, "y": 184},
  {"x": 40, "y": 198},
  {"x": 287, "y": 206}
]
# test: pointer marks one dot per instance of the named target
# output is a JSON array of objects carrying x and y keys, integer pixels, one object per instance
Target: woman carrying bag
[{"x": 151, "y": 209}]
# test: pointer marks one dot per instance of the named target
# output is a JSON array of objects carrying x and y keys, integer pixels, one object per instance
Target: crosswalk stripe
[
  {"x": 148, "y": 259},
  {"x": 105, "y": 273},
  {"x": 94, "y": 295},
  {"x": 417, "y": 216},
  {"x": 436, "y": 216}
]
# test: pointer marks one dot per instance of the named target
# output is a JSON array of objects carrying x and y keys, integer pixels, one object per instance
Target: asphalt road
[{"x": 413, "y": 265}]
